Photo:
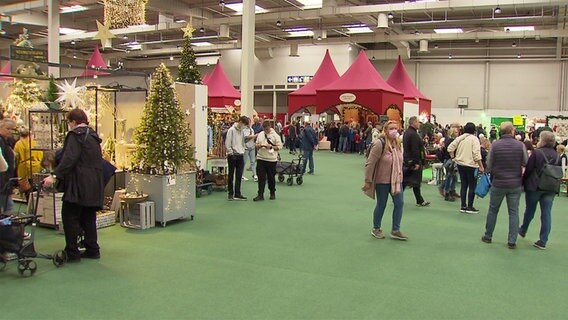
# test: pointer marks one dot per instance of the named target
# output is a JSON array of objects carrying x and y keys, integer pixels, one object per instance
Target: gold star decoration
[
  {"x": 188, "y": 30},
  {"x": 104, "y": 35}
]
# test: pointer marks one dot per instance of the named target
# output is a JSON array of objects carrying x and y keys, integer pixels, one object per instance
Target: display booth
[
  {"x": 415, "y": 103},
  {"x": 361, "y": 87},
  {"x": 221, "y": 91},
  {"x": 305, "y": 99},
  {"x": 559, "y": 125},
  {"x": 96, "y": 61}
]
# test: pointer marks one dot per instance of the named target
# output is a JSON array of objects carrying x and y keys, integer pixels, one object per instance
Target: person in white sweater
[
  {"x": 466, "y": 152},
  {"x": 268, "y": 144},
  {"x": 235, "y": 145}
]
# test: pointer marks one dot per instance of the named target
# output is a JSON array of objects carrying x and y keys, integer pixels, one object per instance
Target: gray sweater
[{"x": 505, "y": 162}]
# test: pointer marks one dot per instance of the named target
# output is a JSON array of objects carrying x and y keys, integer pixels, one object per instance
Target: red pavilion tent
[
  {"x": 400, "y": 80},
  {"x": 96, "y": 61},
  {"x": 361, "y": 85},
  {"x": 306, "y": 96},
  {"x": 206, "y": 78},
  {"x": 221, "y": 91}
]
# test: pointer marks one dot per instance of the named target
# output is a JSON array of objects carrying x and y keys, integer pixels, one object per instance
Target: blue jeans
[
  {"x": 342, "y": 144},
  {"x": 545, "y": 199},
  {"x": 250, "y": 154},
  {"x": 382, "y": 194},
  {"x": 6, "y": 206},
  {"x": 513, "y": 196},
  {"x": 308, "y": 157}
]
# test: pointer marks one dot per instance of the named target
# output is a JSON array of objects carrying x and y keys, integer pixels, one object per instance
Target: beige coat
[{"x": 467, "y": 150}]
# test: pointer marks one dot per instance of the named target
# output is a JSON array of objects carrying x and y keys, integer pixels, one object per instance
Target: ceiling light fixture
[
  {"x": 71, "y": 9},
  {"x": 2, "y": 31},
  {"x": 222, "y": 3},
  {"x": 72, "y": 42},
  {"x": 519, "y": 28},
  {"x": 125, "y": 37},
  {"x": 171, "y": 58},
  {"x": 450, "y": 56},
  {"x": 74, "y": 56},
  {"x": 514, "y": 45},
  {"x": 349, "y": 47},
  {"x": 319, "y": 38},
  {"x": 449, "y": 30},
  {"x": 497, "y": 10},
  {"x": 202, "y": 30},
  {"x": 278, "y": 23},
  {"x": 436, "y": 46},
  {"x": 390, "y": 15},
  {"x": 518, "y": 56}
]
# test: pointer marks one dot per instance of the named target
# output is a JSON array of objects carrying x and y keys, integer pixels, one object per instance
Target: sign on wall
[
  {"x": 28, "y": 61},
  {"x": 299, "y": 79}
]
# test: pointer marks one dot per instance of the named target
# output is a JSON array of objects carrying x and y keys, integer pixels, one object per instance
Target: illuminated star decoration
[
  {"x": 104, "y": 35},
  {"x": 188, "y": 30},
  {"x": 70, "y": 94}
]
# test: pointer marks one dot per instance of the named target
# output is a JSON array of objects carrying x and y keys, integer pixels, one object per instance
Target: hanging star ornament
[
  {"x": 188, "y": 30},
  {"x": 70, "y": 94},
  {"x": 104, "y": 35}
]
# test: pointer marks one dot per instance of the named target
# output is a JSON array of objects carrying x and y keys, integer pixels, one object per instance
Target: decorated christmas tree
[
  {"x": 162, "y": 138},
  {"x": 51, "y": 94},
  {"x": 188, "y": 72}
]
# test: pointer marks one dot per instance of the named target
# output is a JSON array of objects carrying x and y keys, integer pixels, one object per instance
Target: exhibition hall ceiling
[{"x": 473, "y": 29}]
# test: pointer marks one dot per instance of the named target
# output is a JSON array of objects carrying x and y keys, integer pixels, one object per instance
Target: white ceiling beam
[
  {"x": 178, "y": 8},
  {"x": 23, "y": 6},
  {"x": 310, "y": 14},
  {"x": 34, "y": 18}
]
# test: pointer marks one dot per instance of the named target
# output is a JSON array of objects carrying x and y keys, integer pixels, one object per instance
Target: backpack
[
  {"x": 550, "y": 176},
  {"x": 370, "y": 146}
]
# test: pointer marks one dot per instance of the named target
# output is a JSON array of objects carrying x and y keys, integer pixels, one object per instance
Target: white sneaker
[
  {"x": 245, "y": 178},
  {"x": 255, "y": 178},
  {"x": 432, "y": 182}
]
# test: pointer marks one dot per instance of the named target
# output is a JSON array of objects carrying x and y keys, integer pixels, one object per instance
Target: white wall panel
[
  {"x": 524, "y": 85},
  {"x": 276, "y": 70},
  {"x": 445, "y": 82}
]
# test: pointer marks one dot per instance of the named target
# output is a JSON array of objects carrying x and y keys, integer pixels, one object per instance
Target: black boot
[
  {"x": 260, "y": 197},
  {"x": 272, "y": 196}
]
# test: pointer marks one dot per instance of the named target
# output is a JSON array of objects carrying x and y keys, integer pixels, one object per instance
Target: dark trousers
[
  {"x": 334, "y": 143},
  {"x": 418, "y": 195},
  {"x": 292, "y": 144},
  {"x": 266, "y": 171},
  {"x": 468, "y": 184},
  {"x": 236, "y": 167},
  {"x": 78, "y": 219}
]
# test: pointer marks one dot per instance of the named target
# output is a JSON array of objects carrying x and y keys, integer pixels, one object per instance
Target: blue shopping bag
[{"x": 483, "y": 185}]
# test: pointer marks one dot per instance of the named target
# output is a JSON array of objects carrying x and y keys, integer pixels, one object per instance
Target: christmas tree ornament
[
  {"x": 188, "y": 30},
  {"x": 104, "y": 35},
  {"x": 70, "y": 94}
]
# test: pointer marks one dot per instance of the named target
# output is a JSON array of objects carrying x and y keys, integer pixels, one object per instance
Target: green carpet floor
[{"x": 307, "y": 255}]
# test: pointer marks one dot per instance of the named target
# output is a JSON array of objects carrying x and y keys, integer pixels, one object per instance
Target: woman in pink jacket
[{"x": 383, "y": 176}]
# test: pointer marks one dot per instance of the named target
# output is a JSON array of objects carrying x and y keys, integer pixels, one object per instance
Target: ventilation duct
[
  {"x": 423, "y": 46},
  {"x": 263, "y": 53},
  {"x": 294, "y": 50},
  {"x": 224, "y": 31}
]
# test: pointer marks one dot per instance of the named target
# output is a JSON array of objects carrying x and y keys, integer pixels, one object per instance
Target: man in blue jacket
[{"x": 309, "y": 143}]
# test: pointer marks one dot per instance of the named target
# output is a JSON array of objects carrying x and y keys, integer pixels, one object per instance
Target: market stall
[
  {"x": 221, "y": 91},
  {"x": 305, "y": 98},
  {"x": 361, "y": 94}
]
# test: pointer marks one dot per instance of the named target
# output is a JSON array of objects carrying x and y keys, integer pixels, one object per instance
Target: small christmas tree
[
  {"x": 51, "y": 95},
  {"x": 162, "y": 138},
  {"x": 188, "y": 72}
]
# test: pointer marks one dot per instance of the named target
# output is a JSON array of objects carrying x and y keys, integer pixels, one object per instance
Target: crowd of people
[{"x": 514, "y": 162}]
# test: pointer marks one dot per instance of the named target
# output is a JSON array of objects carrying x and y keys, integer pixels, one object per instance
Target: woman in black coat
[{"x": 80, "y": 176}]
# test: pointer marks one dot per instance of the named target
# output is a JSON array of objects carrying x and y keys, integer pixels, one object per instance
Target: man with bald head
[{"x": 504, "y": 163}]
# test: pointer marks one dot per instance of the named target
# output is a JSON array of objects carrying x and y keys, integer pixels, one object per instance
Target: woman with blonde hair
[
  {"x": 383, "y": 176},
  {"x": 25, "y": 155}
]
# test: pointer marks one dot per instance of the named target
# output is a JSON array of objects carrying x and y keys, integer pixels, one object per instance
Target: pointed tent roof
[
  {"x": 6, "y": 70},
  {"x": 221, "y": 91},
  {"x": 97, "y": 61},
  {"x": 306, "y": 95},
  {"x": 360, "y": 76},
  {"x": 206, "y": 78},
  {"x": 366, "y": 86},
  {"x": 400, "y": 80}
]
